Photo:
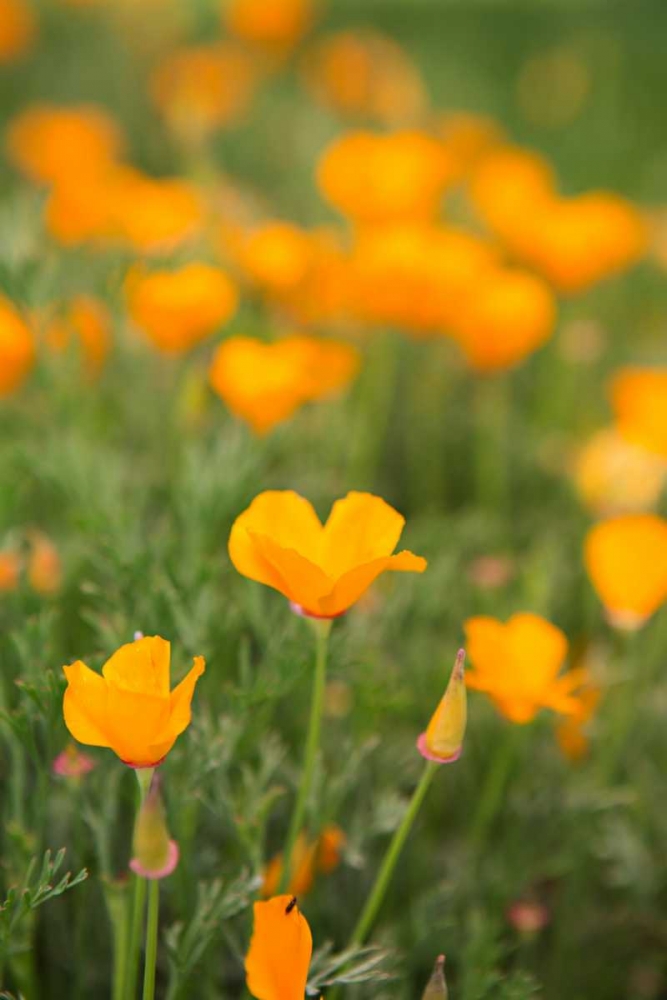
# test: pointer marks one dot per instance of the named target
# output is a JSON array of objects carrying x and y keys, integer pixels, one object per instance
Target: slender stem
[
  {"x": 377, "y": 894},
  {"x": 144, "y": 778},
  {"x": 310, "y": 755},
  {"x": 151, "y": 939},
  {"x": 492, "y": 790},
  {"x": 118, "y": 913}
]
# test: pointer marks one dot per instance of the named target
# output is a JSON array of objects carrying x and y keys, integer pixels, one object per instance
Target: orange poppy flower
[
  {"x": 44, "y": 568},
  {"x": 130, "y": 708},
  {"x": 626, "y": 559},
  {"x": 10, "y": 569},
  {"x": 615, "y": 476},
  {"x": 510, "y": 314},
  {"x": 153, "y": 215},
  {"x": 468, "y": 138},
  {"x": 273, "y": 26},
  {"x": 571, "y": 731},
  {"x": 276, "y": 256},
  {"x": 517, "y": 664},
  {"x": 265, "y": 383},
  {"x": 62, "y": 145},
  {"x": 177, "y": 309},
  {"x": 443, "y": 740},
  {"x": 87, "y": 319},
  {"x": 365, "y": 74},
  {"x": 280, "y": 950},
  {"x": 322, "y": 569},
  {"x": 17, "y": 348},
  {"x": 204, "y": 87},
  {"x": 17, "y": 29},
  {"x": 376, "y": 179},
  {"x": 308, "y": 858},
  {"x": 639, "y": 399}
]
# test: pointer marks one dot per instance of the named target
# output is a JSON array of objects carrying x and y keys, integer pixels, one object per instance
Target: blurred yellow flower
[
  {"x": 626, "y": 560},
  {"x": 274, "y": 26},
  {"x": 639, "y": 400},
  {"x": 17, "y": 348},
  {"x": 571, "y": 731},
  {"x": 276, "y": 256},
  {"x": 517, "y": 664},
  {"x": 129, "y": 708},
  {"x": 17, "y": 29},
  {"x": 614, "y": 476},
  {"x": 153, "y": 215},
  {"x": 265, "y": 383},
  {"x": 278, "y": 959},
  {"x": 373, "y": 178},
  {"x": 308, "y": 858},
  {"x": 322, "y": 569},
  {"x": 176, "y": 309}
]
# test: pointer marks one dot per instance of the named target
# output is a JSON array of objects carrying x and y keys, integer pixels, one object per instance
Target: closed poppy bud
[
  {"x": 129, "y": 708},
  {"x": 280, "y": 949},
  {"x": 443, "y": 739},
  {"x": 436, "y": 988},
  {"x": 626, "y": 559},
  {"x": 155, "y": 854}
]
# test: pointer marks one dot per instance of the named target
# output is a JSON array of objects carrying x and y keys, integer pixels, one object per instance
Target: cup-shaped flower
[
  {"x": 517, "y": 664},
  {"x": 155, "y": 855},
  {"x": 443, "y": 740},
  {"x": 279, "y": 955},
  {"x": 130, "y": 708},
  {"x": 626, "y": 559},
  {"x": 322, "y": 569}
]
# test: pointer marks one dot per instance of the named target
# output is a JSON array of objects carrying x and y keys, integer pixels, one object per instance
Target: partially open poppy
[
  {"x": 129, "y": 708},
  {"x": 322, "y": 569},
  {"x": 280, "y": 950}
]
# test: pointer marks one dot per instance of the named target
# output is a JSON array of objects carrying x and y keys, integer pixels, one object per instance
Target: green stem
[
  {"x": 144, "y": 778},
  {"x": 377, "y": 894},
  {"x": 151, "y": 939},
  {"x": 492, "y": 790},
  {"x": 323, "y": 628}
]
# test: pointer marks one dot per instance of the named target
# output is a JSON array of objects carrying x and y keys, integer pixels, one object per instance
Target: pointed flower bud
[
  {"x": 442, "y": 742},
  {"x": 436, "y": 988},
  {"x": 155, "y": 855}
]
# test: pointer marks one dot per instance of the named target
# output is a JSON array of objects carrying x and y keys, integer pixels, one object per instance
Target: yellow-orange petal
[
  {"x": 280, "y": 949},
  {"x": 180, "y": 699},
  {"x": 302, "y": 581},
  {"x": 361, "y": 527},
  {"x": 351, "y": 585},
  {"x": 141, "y": 666},
  {"x": 85, "y": 705},
  {"x": 137, "y": 723}
]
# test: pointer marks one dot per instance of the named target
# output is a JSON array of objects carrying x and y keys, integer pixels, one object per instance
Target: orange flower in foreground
[
  {"x": 639, "y": 399},
  {"x": 505, "y": 319},
  {"x": 626, "y": 559},
  {"x": 177, "y": 309},
  {"x": 615, "y": 476},
  {"x": 375, "y": 179},
  {"x": 17, "y": 348},
  {"x": 517, "y": 664},
  {"x": 129, "y": 708},
  {"x": 277, "y": 25},
  {"x": 17, "y": 29},
  {"x": 55, "y": 144},
  {"x": 322, "y": 569},
  {"x": 280, "y": 949},
  {"x": 309, "y": 858},
  {"x": 88, "y": 320},
  {"x": 204, "y": 87},
  {"x": 265, "y": 383}
]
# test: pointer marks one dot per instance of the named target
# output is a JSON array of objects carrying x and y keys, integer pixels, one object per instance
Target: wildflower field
[{"x": 333, "y": 517}]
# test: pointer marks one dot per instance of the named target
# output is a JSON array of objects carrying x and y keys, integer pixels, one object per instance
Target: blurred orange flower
[
  {"x": 45, "y": 572},
  {"x": 614, "y": 476},
  {"x": 87, "y": 319},
  {"x": 129, "y": 708},
  {"x": 153, "y": 215},
  {"x": 17, "y": 348},
  {"x": 517, "y": 664},
  {"x": 308, "y": 858},
  {"x": 571, "y": 731},
  {"x": 510, "y": 315},
  {"x": 176, "y": 309},
  {"x": 366, "y": 74},
  {"x": 275, "y": 26},
  {"x": 322, "y": 569},
  {"x": 375, "y": 179},
  {"x": 17, "y": 29},
  {"x": 10, "y": 569},
  {"x": 639, "y": 399},
  {"x": 626, "y": 559},
  {"x": 265, "y": 383},
  {"x": 281, "y": 946},
  {"x": 276, "y": 256},
  {"x": 204, "y": 87},
  {"x": 53, "y": 144}
]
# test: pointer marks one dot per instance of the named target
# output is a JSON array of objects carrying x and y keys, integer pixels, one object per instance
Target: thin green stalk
[
  {"x": 151, "y": 939},
  {"x": 377, "y": 894},
  {"x": 493, "y": 788},
  {"x": 144, "y": 778},
  {"x": 312, "y": 744}
]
